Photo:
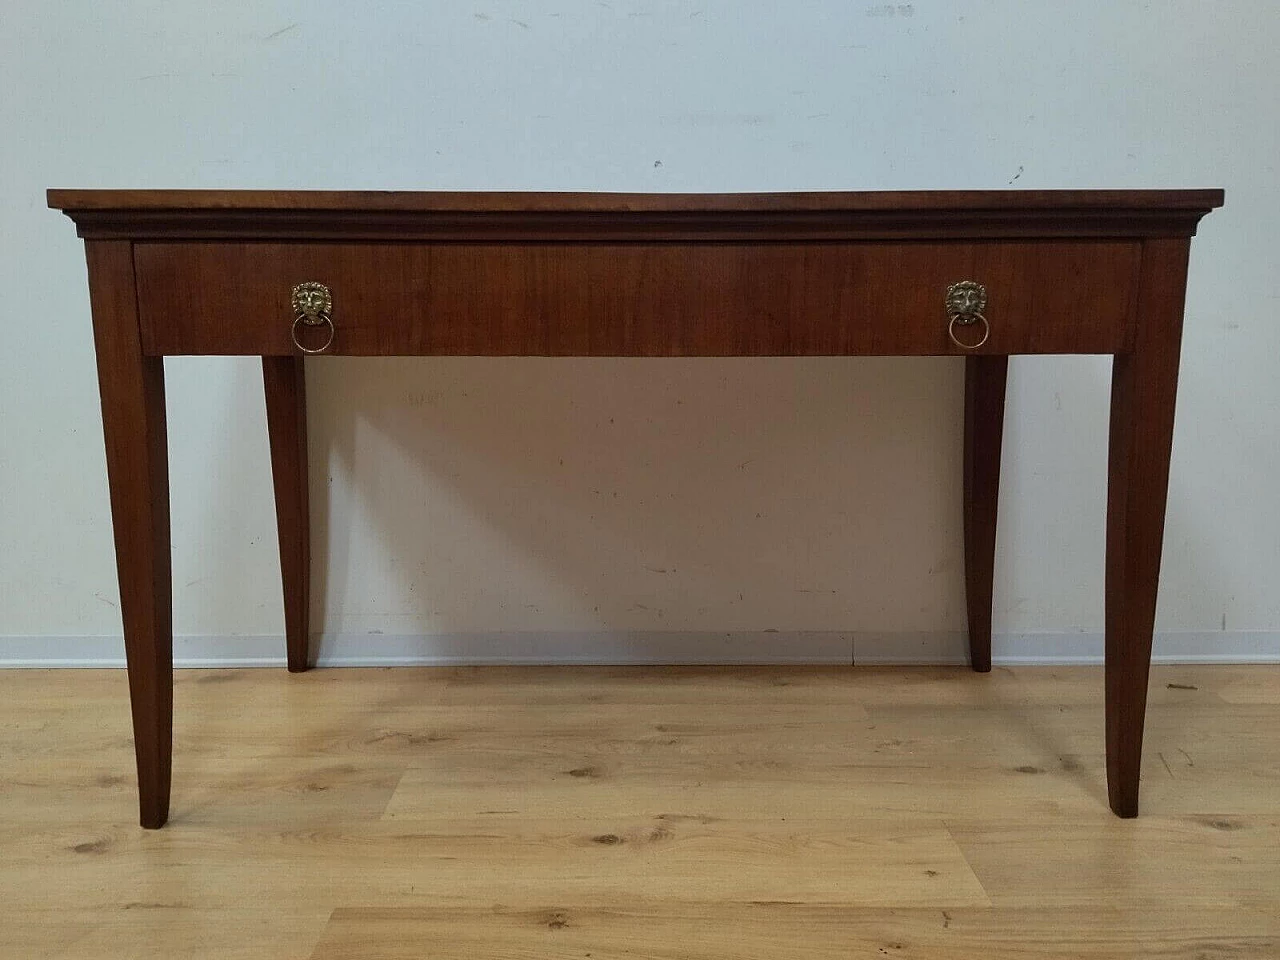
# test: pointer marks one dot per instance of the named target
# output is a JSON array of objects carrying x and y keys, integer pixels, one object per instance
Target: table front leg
[
  {"x": 1143, "y": 390},
  {"x": 286, "y": 396},
  {"x": 133, "y": 424},
  {"x": 984, "y": 388}
]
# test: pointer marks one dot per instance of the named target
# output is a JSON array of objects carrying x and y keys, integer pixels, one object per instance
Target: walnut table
[{"x": 975, "y": 274}]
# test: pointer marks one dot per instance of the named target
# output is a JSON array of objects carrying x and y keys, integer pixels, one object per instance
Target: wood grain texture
[
  {"x": 284, "y": 385},
  {"x": 794, "y": 931},
  {"x": 133, "y": 424},
  {"x": 984, "y": 387},
  {"x": 549, "y": 299},
  {"x": 1237, "y": 857},
  {"x": 1143, "y": 391},
  {"x": 709, "y": 813}
]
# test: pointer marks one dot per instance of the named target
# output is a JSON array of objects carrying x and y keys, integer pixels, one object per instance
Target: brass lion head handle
[
  {"x": 312, "y": 302},
  {"x": 312, "y": 307},
  {"x": 965, "y": 303}
]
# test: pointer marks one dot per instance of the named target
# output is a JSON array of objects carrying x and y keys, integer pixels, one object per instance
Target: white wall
[{"x": 614, "y": 502}]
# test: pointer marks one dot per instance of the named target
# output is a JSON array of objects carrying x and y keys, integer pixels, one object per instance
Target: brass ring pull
[
  {"x": 964, "y": 305},
  {"x": 312, "y": 307},
  {"x": 960, "y": 321},
  {"x": 293, "y": 332}
]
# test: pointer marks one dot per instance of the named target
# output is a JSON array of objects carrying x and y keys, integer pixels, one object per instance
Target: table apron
[{"x": 789, "y": 298}]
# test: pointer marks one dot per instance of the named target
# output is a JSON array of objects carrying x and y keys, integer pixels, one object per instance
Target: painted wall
[{"x": 626, "y": 502}]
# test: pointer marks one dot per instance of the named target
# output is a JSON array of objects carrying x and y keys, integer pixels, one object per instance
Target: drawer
[{"x": 636, "y": 299}]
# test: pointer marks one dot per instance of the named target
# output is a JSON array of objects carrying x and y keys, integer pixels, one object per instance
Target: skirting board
[{"x": 639, "y": 647}]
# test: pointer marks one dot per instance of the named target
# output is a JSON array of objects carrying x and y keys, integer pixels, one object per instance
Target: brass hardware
[
  {"x": 965, "y": 303},
  {"x": 312, "y": 302},
  {"x": 977, "y": 318},
  {"x": 313, "y": 307}
]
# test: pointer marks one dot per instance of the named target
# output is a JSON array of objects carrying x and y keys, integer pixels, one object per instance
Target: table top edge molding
[{"x": 319, "y": 215}]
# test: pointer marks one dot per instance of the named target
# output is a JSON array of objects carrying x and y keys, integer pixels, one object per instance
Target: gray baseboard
[
  {"x": 641, "y": 646},
  {"x": 1012, "y": 649}
]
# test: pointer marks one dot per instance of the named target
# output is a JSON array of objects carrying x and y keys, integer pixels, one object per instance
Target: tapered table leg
[
  {"x": 984, "y": 387},
  {"x": 1143, "y": 390},
  {"x": 133, "y": 423},
  {"x": 286, "y": 397}
]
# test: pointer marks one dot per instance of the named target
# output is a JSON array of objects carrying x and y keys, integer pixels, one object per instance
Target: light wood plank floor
[{"x": 676, "y": 813}]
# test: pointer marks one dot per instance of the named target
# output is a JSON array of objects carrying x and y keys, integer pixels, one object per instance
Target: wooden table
[{"x": 983, "y": 275}]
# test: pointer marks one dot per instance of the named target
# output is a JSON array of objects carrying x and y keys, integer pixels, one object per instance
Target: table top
[
  {"x": 516, "y": 202},
  {"x": 432, "y": 215}
]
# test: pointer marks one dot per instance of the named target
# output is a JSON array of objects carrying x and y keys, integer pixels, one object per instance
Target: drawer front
[{"x": 636, "y": 299}]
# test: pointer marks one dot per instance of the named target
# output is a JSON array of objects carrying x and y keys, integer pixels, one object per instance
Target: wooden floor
[{"x": 679, "y": 813}]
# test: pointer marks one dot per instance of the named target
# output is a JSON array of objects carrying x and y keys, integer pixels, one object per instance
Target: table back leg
[
  {"x": 133, "y": 424},
  {"x": 286, "y": 396},
  {"x": 1143, "y": 390},
  {"x": 984, "y": 387}
]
